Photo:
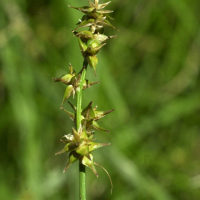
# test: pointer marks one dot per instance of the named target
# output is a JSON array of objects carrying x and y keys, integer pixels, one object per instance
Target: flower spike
[
  {"x": 73, "y": 80},
  {"x": 89, "y": 117},
  {"x": 80, "y": 143}
]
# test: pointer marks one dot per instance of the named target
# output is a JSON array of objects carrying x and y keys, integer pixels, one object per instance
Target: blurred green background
[{"x": 149, "y": 74}]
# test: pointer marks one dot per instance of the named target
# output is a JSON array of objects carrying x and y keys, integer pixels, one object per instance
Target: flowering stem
[
  {"x": 82, "y": 185},
  {"x": 82, "y": 188},
  {"x": 80, "y": 143},
  {"x": 79, "y": 96}
]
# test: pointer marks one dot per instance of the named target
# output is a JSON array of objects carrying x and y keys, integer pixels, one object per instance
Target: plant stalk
[{"x": 82, "y": 184}]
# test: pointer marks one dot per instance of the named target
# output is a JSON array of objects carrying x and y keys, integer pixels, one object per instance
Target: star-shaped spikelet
[
  {"x": 73, "y": 81},
  {"x": 90, "y": 116},
  {"x": 80, "y": 147}
]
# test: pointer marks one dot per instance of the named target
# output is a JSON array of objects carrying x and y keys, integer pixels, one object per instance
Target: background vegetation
[{"x": 149, "y": 74}]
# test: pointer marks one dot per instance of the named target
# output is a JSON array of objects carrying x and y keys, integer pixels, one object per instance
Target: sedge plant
[{"x": 80, "y": 143}]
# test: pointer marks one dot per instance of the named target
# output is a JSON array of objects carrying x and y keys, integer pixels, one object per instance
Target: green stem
[
  {"x": 79, "y": 100},
  {"x": 82, "y": 185}
]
